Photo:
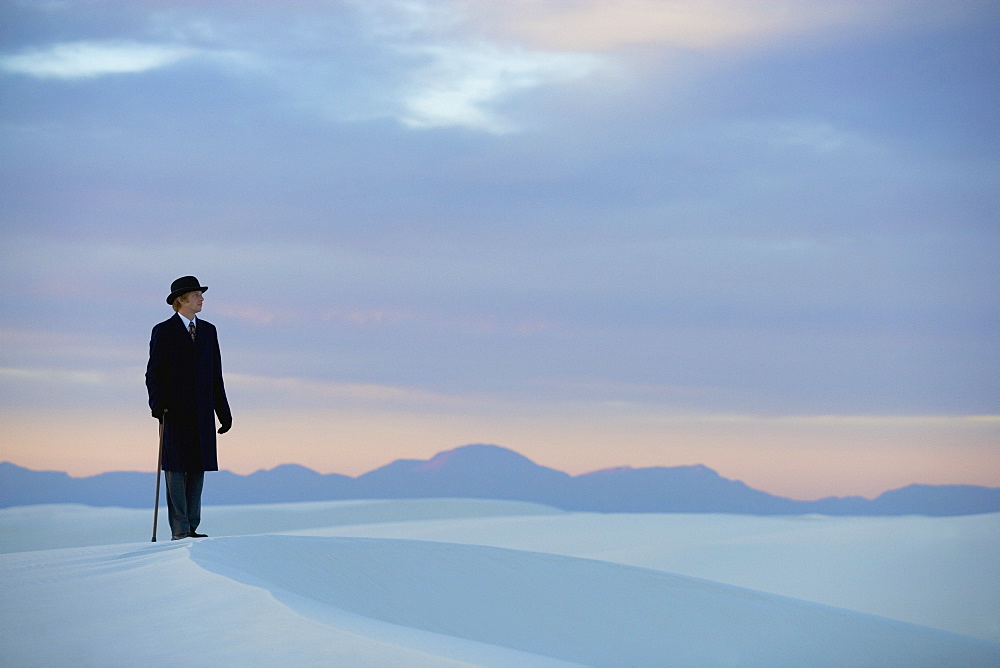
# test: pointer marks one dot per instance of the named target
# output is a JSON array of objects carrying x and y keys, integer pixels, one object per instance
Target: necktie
[{"x": 191, "y": 329}]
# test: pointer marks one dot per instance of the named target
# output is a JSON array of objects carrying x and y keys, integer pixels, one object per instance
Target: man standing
[{"x": 186, "y": 392}]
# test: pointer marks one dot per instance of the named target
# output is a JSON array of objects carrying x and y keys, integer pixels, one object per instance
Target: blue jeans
[{"x": 184, "y": 500}]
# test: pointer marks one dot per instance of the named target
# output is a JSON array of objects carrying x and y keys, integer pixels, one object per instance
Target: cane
[{"x": 159, "y": 467}]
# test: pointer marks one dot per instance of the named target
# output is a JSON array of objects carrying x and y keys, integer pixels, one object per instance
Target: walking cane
[{"x": 159, "y": 466}]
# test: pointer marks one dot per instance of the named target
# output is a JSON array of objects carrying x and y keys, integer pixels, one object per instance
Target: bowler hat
[{"x": 183, "y": 285}]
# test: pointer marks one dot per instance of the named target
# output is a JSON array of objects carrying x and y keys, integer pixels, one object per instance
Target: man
[{"x": 186, "y": 392}]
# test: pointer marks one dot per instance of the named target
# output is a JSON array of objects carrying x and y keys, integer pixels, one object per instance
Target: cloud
[
  {"x": 816, "y": 136},
  {"x": 298, "y": 391},
  {"x": 76, "y": 60},
  {"x": 99, "y": 388},
  {"x": 420, "y": 63},
  {"x": 53, "y": 376},
  {"x": 464, "y": 82},
  {"x": 688, "y": 24},
  {"x": 843, "y": 421}
]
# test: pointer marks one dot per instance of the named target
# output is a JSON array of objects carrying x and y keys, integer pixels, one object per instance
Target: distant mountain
[
  {"x": 937, "y": 500},
  {"x": 21, "y": 487},
  {"x": 283, "y": 484},
  {"x": 684, "y": 489},
  {"x": 492, "y": 472},
  {"x": 476, "y": 471}
]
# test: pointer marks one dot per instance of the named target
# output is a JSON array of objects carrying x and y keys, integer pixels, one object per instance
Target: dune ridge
[{"x": 577, "y": 610}]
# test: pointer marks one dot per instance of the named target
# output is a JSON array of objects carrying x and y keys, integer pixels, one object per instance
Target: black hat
[{"x": 184, "y": 285}]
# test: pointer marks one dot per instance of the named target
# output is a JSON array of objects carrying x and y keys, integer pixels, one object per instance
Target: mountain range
[{"x": 493, "y": 472}]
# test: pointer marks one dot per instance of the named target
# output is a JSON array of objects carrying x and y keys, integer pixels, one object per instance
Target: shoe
[
  {"x": 194, "y": 534},
  {"x": 179, "y": 537}
]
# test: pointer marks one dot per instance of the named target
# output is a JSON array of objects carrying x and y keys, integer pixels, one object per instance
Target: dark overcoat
[{"x": 185, "y": 377}]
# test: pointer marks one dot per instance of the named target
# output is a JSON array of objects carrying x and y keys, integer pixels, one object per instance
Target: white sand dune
[
  {"x": 318, "y": 599},
  {"x": 935, "y": 571}
]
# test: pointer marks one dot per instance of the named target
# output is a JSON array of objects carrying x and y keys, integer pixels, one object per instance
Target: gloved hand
[
  {"x": 226, "y": 426},
  {"x": 158, "y": 413}
]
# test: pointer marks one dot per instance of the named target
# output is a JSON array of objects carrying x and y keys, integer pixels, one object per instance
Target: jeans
[{"x": 184, "y": 500}]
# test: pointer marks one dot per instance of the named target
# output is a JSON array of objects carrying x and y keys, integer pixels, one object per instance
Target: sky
[{"x": 762, "y": 237}]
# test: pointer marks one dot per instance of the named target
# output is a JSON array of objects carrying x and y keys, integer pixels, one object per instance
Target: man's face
[{"x": 192, "y": 302}]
